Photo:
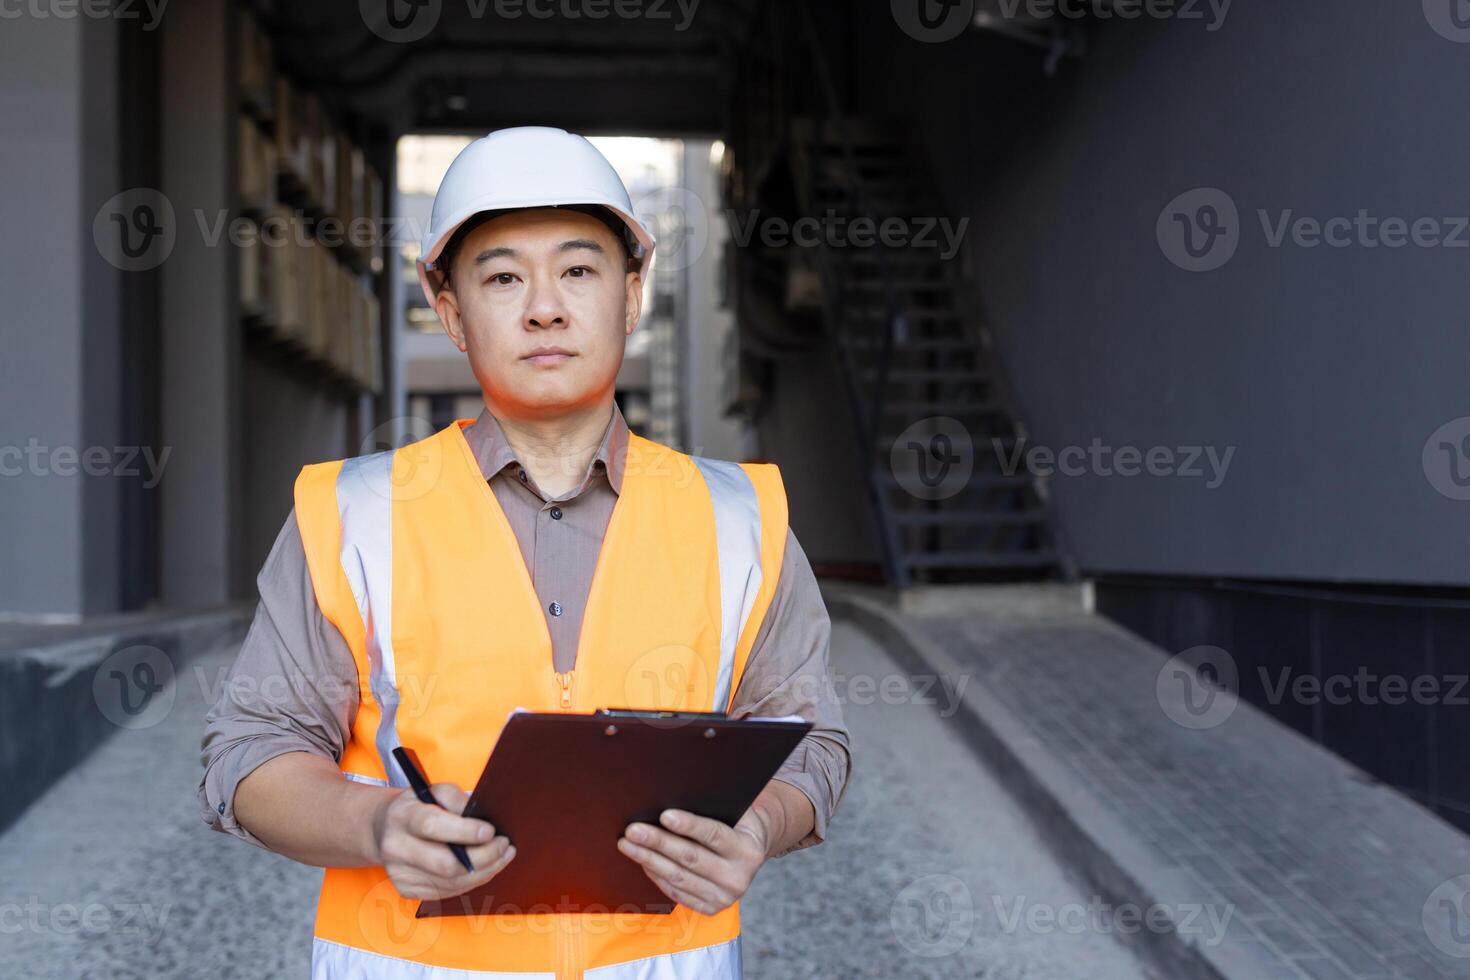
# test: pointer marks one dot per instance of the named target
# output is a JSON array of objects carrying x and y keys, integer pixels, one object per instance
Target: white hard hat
[{"x": 525, "y": 167}]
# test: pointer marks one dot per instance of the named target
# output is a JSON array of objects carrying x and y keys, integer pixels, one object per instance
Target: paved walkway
[
  {"x": 932, "y": 870},
  {"x": 1174, "y": 795}
]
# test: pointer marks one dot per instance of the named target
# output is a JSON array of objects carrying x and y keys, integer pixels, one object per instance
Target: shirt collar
[{"x": 494, "y": 452}]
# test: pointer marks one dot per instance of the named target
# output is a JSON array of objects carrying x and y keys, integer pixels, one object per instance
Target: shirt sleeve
[
  {"x": 787, "y": 674},
  {"x": 292, "y": 688}
]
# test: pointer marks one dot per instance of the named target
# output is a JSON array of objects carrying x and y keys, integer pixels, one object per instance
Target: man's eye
[
  {"x": 503, "y": 278},
  {"x": 580, "y": 271}
]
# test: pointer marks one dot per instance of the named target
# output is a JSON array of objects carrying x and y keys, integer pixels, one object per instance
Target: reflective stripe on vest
[
  {"x": 331, "y": 961},
  {"x": 738, "y": 537},
  {"x": 411, "y": 558},
  {"x": 365, "y": 503}
]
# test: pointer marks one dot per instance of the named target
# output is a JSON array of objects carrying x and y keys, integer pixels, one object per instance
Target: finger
[
  {"x": 688, "y": 853},
  {"x": 711, "y": 833},
  {"x": 450, "y": 796},
  {"x": 487, "y": 865},
  {"x": 682, "y": 896},
  {"x": 435, "y": 824},
  {"x": 485, "y": 854},
  {"x": 430, "y": 858},
  {"x": 688, "y": 882}
]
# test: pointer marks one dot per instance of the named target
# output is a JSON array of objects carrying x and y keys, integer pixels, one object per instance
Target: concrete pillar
[{"x": 200, "y": 336}]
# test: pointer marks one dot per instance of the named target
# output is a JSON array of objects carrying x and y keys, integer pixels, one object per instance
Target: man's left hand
[{"x": 699, "y": 862}]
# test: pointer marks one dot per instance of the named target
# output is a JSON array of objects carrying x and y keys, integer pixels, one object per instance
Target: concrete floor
[{"x": 931, "y": 870}]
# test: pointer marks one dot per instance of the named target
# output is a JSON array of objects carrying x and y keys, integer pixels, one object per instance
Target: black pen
[{"x": 408, "y": 761}]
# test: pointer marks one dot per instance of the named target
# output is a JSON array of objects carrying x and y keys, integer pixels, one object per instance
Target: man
[{"x": 404, "y": 604}]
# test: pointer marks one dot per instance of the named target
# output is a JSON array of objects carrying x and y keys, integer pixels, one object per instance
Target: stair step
[
  {"x": 977, "y": 481},
  {"x": 971, "y": 518},
  {"x": 951, "y": 345},
  {"x": 923, "y": 375},
  {"x": 982, "y": 559},
  {"x": 940, "y": 406}
]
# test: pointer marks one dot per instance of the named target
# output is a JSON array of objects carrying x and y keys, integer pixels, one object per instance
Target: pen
[{"x": 408, "y": 761}]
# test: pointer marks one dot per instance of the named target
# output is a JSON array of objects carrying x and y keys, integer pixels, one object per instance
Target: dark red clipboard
[{"x": 563, "y": 787}]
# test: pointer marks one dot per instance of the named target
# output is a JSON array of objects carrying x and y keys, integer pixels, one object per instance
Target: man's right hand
[{"x": 410, "y": 838}]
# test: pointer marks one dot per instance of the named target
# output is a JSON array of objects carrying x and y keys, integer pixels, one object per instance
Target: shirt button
[
  {"x": 522, "y": 474},
  {"x": 554, "y": 609},
  {"x": 221, "y": 809},
  {"x": 556, "y": 513}
]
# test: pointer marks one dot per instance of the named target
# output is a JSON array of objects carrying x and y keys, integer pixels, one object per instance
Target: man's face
[{"x": 542, "y": 303}]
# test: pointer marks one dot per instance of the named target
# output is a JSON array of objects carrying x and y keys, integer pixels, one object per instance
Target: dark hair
[{"x": 615, "y": 224}]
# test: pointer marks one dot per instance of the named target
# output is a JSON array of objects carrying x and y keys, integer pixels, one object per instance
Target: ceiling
[{"x": 596, "y": 66}]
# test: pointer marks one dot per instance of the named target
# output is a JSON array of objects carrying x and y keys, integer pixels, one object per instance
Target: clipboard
[{"x": 563, "y": 787}]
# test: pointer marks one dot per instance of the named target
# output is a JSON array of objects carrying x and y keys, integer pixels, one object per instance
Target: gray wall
[
  {"x": 58, "y": 332},
  {"x": 1327, "y": 368}
]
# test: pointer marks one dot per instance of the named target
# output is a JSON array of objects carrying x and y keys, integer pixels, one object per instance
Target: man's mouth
[{"x": 545, "y": 356}]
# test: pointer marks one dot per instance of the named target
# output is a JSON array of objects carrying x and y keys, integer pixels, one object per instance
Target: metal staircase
[{"x": 915, "y": 369}]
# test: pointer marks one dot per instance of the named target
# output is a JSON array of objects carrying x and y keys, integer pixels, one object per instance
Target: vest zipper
[
  {"x": 564, "y": 681},
  {"x": 568, "y": 948}
]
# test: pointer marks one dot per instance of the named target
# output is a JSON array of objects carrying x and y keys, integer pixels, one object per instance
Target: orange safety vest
[{"x": 413, "y": 560}]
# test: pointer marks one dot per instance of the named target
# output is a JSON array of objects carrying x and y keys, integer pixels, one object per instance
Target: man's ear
[
  {"x": 633, "y": 303},
  {"x": 446, "y": 304}
]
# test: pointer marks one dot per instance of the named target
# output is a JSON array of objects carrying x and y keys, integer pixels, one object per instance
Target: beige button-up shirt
[{"x": 294, "y": 685}]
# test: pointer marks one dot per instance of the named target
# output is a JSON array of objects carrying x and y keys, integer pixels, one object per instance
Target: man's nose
[{"x": 545, "y": 309}]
